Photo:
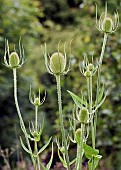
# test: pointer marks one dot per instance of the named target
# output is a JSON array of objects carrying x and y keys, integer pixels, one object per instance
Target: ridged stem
[
  {"x": 36, "y": 117},
  {"x": 98, "y": 79},
  {"x": 35, "y": 142},
  {"x": 77, "y": 155},
  {"x": 89, "y": 87},
  {"x": 80, "y": 149},
  {"x": 61, "y": 120},
  {"x": 19, "y": 114},
  {"x": 36, "y": 151}
]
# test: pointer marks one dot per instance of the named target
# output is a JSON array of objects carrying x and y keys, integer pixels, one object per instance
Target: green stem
[
  {"x": 19, "y": 113},
  {"x": 89, "y": 86},
  {"x": 36, "y": 149},
  {"x": 103, "y": 47},
  {"x": 61, "y": 120},
  {"x": 77, "y": 155},
  {"x": 90, "y": 104},
  {"x": 80, "y": 149},
  {"x": 92, "y": 167},
  {"x": 98, "y": 79},
  {"x": 36, "y": 117}
]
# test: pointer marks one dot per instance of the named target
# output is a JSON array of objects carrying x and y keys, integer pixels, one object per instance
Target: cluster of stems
[
  {"x": 86, "y": 112},
  {"x": 14, "y": 62}
]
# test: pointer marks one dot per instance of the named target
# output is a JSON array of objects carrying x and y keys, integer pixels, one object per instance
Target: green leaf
[
  {"x": 93, "y": 162},
  {"x": 89, "y": 151},
  {"x": 61, "y": 159},
  {"x": 101, "y": 93},
  {"x": 99, "y": 96},
  {"x": 51, "y": 159},
  {"x": 43, "y": 148},
  {"x": 97, "y": 107},
  {"x": 78, "y": 101},
  {"x": 24, "y": 147}
]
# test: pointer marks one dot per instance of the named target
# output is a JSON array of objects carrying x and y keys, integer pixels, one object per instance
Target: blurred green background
[{"x": 40, "y": 21}]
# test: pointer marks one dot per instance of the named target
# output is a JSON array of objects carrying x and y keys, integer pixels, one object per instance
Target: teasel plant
[
  {"x": 14, "y": 61},
  {"x": 56, "y": 65},
  {"x": 106, "y": 25},
  {"x": 81, "y": 118}
]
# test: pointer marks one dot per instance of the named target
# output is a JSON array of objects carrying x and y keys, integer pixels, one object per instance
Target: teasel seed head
[
  {"x": 78, "y": 135},
  {"x": 90, "y": 67},
  {"x": 87, "y": 73},
  {"x": 62, "y": 149},
  {"x": 14, "y": 59},
  {"x": 83, "y": 115},
  {"x": 57, "y": 63},
  {"x": 107, "y": 24}
]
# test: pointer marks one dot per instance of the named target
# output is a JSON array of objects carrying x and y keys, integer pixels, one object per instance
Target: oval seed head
[
  {"x": 90, "y": 67},
  {"x": 57, "y": 63},
  {"x": 14, "y": 59},
  {"x": 87, "y": 73},
  {"x": 83, "y": 115},
  {"x": 107, "y": 25},
  {"x": 37, "y": 101},
  {"x": 78, "y": 135},
  {"x": 62, "y": 149}
]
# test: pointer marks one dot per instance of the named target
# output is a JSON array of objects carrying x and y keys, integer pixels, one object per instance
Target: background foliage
[{"x": 40, "y": 21}]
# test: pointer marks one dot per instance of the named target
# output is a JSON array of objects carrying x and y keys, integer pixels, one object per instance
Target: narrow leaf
[
  {"x": 44, "y": 147},
  {"x": 97, "y": 107},
  {"x": 61, "y": 159},
  {"x": 51, "y": 159},
  {"x": 101, "y": 94},
  {"x": 24, "y": 147},
  {"x": 78, "y": 101}
]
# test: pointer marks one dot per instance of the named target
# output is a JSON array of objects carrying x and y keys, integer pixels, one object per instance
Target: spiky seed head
[
  {"x": 87, "y": 73},
  {"x": 14, "y": 59},
  {"x": 107, "y": 25},
  {"x": 90, "y": 67},
  {"x": 36, "y": 136},
  {"x": 37, "y": 101},
  {"x": 57, "y": 63},
  {"x": 78, "y": 135},
  {"x": 83, "y": 115},
  {"x": 62, "y": 149}
]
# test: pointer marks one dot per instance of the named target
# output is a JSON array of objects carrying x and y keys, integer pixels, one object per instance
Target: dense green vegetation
[{"x": 41, "y": 21}]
